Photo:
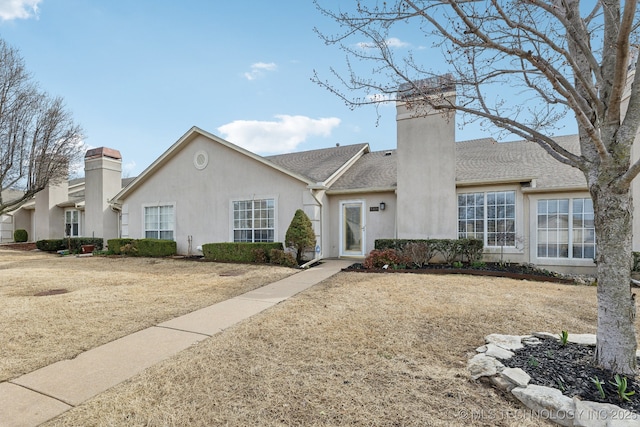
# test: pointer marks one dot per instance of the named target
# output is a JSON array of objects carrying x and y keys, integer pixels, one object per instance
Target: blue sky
[{"x": 139, "y": 74}]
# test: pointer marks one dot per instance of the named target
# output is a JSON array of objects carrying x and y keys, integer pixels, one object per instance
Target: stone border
[{"x": 549, "y": 403}]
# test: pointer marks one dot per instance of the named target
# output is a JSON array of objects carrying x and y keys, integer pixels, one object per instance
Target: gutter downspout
[
  {"x": 115, "y": 207},
  {"x": 319, "y": 256}
]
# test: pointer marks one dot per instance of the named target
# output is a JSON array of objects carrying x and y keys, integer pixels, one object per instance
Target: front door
[{"x": 352, "y": 228}]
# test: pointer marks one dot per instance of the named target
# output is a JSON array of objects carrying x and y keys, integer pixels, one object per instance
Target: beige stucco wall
[
  {"x": 49, "y": 219},
  {"x": 202, "y": 198},
  {"x": 103, "y": 180},
  {"x": 426, "y": 173},
  {"x": 23, "y": 219}
]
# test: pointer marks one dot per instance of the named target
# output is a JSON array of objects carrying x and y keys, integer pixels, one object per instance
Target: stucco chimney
[
  {"x": 103, "y": 180},
  {"x": 426, "y": 192},
  {"x": 49, "y": 219}
]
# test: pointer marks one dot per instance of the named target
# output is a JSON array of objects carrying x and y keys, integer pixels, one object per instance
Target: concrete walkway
[{"x": 48, "y": 392}]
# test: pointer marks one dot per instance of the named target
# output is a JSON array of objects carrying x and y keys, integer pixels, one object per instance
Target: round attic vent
[{"x": 201, "y": 159}]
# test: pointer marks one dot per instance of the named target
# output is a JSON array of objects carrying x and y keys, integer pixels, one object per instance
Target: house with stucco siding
[{"x": 525, "y": 206}]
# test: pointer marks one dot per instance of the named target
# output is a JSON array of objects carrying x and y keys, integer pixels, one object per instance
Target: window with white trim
[
  {"x": 159, "y": 222},
  {"x": 254, "y": 220},
  {"x": 72, "y": 223},
  {"x": 489, "y": 216},
  {"x": 565, "y": 229}
]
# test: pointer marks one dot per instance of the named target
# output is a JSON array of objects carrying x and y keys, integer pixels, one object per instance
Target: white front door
[{"x": 352, "y": 228}]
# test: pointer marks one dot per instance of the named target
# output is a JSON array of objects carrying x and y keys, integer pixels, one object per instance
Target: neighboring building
[{"x": 524, "y": 205}]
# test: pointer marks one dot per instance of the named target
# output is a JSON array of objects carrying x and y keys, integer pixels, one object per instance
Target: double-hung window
[
  {"x": 489, "y": 216},
  {"x": 159, "y": 222},
  {"x": 254, "y": 220},
  {"x": 565, "y": 228},
  {"x": 72, "y": 223}
]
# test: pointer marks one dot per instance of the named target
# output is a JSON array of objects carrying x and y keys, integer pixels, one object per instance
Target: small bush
[
  {"x": 239, "y": 251},
  {"x": 280, "y": 257},
  {"x": 259, "y": 255},
  {"x": 156, "y": 247},
  {"x": 449, "y": 249},
  {"x": 300, "y": 234},
  {"x": 73, "y": 244},
  {"x": 419, "y": 252},
  {"x": 636, "y": 261},
  {"x": 20, "y": 236},
  {"x": 390, "y": 257},
  {"x": 115, "y": 245}
]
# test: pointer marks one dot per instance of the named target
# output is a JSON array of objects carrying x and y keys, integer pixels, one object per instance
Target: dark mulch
[
  {"x": 570, "y": 368},
  {"x": 30, "y": 246},
  {"x": 510, "y": 270}
]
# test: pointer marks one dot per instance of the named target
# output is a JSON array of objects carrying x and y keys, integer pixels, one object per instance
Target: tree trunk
[{"x": 616, "y": 334}]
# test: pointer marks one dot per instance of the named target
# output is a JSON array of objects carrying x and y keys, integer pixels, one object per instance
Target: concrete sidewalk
[{"x": 48, "y": 392}]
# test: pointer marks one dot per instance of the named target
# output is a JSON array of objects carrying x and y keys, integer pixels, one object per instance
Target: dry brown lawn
[
  {"x": 357, "y": 349},
  {"x": 107, "y": 298}
]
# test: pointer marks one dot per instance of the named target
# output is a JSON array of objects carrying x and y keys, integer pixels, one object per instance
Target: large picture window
[
  {"x": 565, "y": 228},
  {"x": 489, "y": 216},
  {"x": 159, "y": 222},
  {"x": 254, "y": 220}
]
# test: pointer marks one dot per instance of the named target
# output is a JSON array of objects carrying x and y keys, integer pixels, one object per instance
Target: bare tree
[
  {"x": 552, "y": 58},
  {"x": 38, "y": 138}
]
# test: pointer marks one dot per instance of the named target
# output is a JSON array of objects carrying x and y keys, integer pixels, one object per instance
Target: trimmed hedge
[
  {"x": 115, "y": 245},
  {"x": 449, "y": 249},
  {"x": 73, "y": 244},
  {"x": 239, "y": 252},
  {"x": 20, "y": 236},
  {"x": 142, "y": 247}
]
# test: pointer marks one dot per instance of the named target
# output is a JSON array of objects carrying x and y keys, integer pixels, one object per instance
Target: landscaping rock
[
  {"x": 593, "y": 414},
  {"x": 549, "y": 403},
  {"x": 516, "y": 376},
  {"x": 508, "y": 342},
  {"x": 498, "y": 352},
  {"x": 582, "y": 339},
  {"x": 481, "y": 365}
]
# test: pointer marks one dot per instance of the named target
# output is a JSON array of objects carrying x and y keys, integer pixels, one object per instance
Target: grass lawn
[
  {"x": 107, "y": 298},
  {"x": 358, "y": 349}
]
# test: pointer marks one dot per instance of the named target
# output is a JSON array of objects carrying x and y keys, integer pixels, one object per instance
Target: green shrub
[
  {"x": 156, "y": 247},
  {"x": 115, "y": 245},
  {"x": 74, "y": 244},
  {"x": 391, "y": 257},
  {"x": 20, "y": 235},
  {"x": 280, "y": 257},
  {"x": 449, "y": 249},
  {"x": 52, "y": 245},
  {"x": 238, "y": 251},
  {"x": 300, "y": 235}
]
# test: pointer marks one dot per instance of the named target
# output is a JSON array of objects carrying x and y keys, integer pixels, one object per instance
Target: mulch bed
[
  {"x": 570, "y": 369},
  {"x": 513, "y": 271}
]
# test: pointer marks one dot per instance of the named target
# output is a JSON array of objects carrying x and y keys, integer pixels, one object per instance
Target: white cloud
[
  {"x": 392, "y": 42},
  {"x": 281, "y": 136},
  {"x": 18, "y": 9},
  {"x": 258, "y": 69}
]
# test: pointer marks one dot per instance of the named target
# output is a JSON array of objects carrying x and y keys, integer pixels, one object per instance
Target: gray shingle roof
[
  {"x": 478, "y": 160},
  {"x": 317, "y": 165},
  {"x": 378, "y": 169},
  {"x": 488, "y": 160}
]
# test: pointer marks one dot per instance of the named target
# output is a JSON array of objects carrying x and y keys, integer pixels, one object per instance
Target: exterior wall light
[{"x": 383, "y": 205}]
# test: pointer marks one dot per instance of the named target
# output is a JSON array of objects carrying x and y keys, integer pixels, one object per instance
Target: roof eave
[
  {"x": 478, "y": 182},
  {"x": 342, "y": 169},
  {"x": 362, "y": 190}
]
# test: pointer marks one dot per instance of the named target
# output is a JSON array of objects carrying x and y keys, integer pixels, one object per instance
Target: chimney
[
  {"x": 49, "y": 219},
  {"x": 103, "y": 180},
  {"x": 426, "y": 192}
]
